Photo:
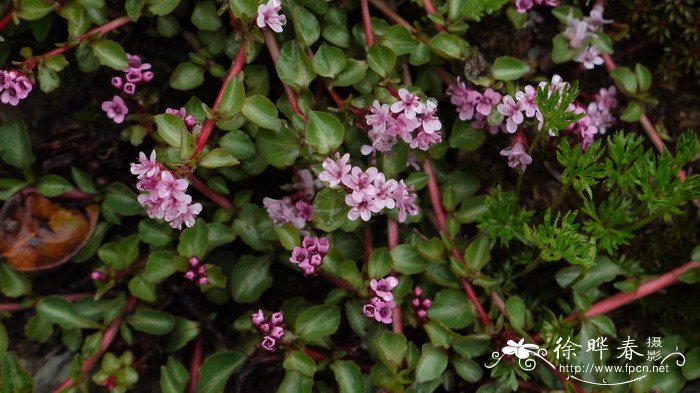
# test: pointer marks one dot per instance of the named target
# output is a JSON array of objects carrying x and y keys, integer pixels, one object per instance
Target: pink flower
[
  {"x": 383, "y": 287},
  {"x": 408, "y": 103},
  {"x": 490, "y": 99},
  {"x": 511, "y": 110},
  {"x": 606, "y": 98},
  {"x": 117, "y": 82},
  {"x": 361, "y": 182},
  {"x": 384, "y": 191},
  {"x": 268, "y": 14},
  {"x": 583, "y": 128},
  {"x": 404, "y": 199},
  {"x": 146, "y": 167},
  {"x": 384, "y": 311},
  {"x": 424, "y": 140},
  {"x": 283, "y": 211},
  {"x": 577, "y": 31},
  {"x": 305, "y": 210},
  {"x": 277, "y": 318},
  {"x": 430, "y": 122},
  {"x": 135, "y": 63},
  {"x": 517, "y": 155},
  {"x": 16, "y": 87},
  {"x": 360, "y": 209},
  {"x": 336, "y": 169},
  {"x": 258, "y": 318},
  {"x": 134, "y": 75},
  {"x": 129, "y": 88},
  {"x": 269, "y": 344},
  {"x": 299, "y": 255},
  {"x": 170, "y": 186},
  {"x": 197, "y": 272},
  {"x": 527, "y": 100},
  {"x": 403, "y": 126},
  {"x": 464, "y": 99},
  {"x": 115, "y": 109},
  {"x": 523, "y": 6},
  {"x": 277, "y": 332},
  {"x": 589, "y": 58},
  {"x": 369, "y": 310},
  {"x": 595, "y": 20},
  {"x": 379, "y": 116}
]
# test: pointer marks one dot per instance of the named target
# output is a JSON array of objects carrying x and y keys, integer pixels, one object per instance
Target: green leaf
[
  {"x": 465, "y": 137},
  {"x": 391, "y": 348},
  {"x": 187, "y": 76},
  {"x": 381, "y": 59},
  {"x": 122, "y": 200},
  {"x": 160, "y": 265},
  {"x": 633, "y": 112},
  {"x": 170, "y": 128},
  {"x": 250, "y": 278},
  {"x": 294, "y": 67},
  {"x": 134, "y": 8},
  {"x": 399, "y": 39},
  {"x": 151, "y": 321},
  {"x": 306, "y": 26},
  {"x": 407, "y": 260},
  {"x": 324, "y": 132},
  {"x": 452, "y": 308},
  {"x": 329, "y": 61},
  {"x": 142, "y": 289},
  {"x": 110, "y": 54},
  {"x": 15, "y": 147},
  {"x": 217, "y": 369},
  {"x": 53, "y": 185},
  {"x": 300, "y": 362},
  {"x": 643, "y": 76},
  {"x": 561, "y": 52},
  {"x": 183, "y": 332},
  {"x": 449, "y": 46},
  {"x": 13, "y": 283},
  {"x": 516, "y": 311},
  {"x": 218, "y": 158},
  {"x": 194, "y": 241},
  {"x": 691, "y": 369},
  {"x": 330, "y": 210},
  {"x": 288, "y": 235},
  {"x": 205, "y": 17},
  {"x": 162, "y": 7},
  {"x": 14, "y": 378},
  {"x": 34, "y": 9},
  {"x": 280, "y": 149},
  {"x": 478, "y": 252},
  {"x": 380, "y": 263},
  {"x": 156, "y": 233},
  {"x": 233, "y": 99},
  {"x": 348, "y": 375},
  {"x": 625, "y": 79},
  {"x": 48, "y": 79},
  {"x": 238, "y": 144},
  {"x": 317, "y": 322},
  {"x": 353, "y": 72},
  {"x": 506, "y": 68},
  {"x": 295, "y": 382},
  {"x": 173, "y": 376},
  {"x": 63, "y": 313},
  {"x": 468, "y": 369},
  {"x": 261, "y": 111},
  {"x": 431, "y": 364}
]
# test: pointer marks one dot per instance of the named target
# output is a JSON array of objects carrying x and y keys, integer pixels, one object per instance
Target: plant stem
[
  {"x": 195, "y": 363},
  {"x": 559, "y": 198},
  {"x": 530, "y": 151},
  {"x": 430, "y": 9},
  {"x": 367, "y": 23},
  {"x": 208, "y": 126},
  {"x": 645, "y": 221},
  {"x": 274, "y": 51},
  {"x": 9, "y": 307},
  {"x": 391, "y": 15},
  {"x": 5, "y": 20},
  {"x": 392, "y": 233},
  {"x": 107, "y": 337}
]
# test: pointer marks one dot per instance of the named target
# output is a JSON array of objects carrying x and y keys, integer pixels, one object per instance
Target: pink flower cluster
[
  {"x": 14, "y": 86},
  {"x": 583, "y": 129},
  {"x": 522, "y": 6},
  {"x": 407, "y": 119},
  {"x": 189, "y": 120},
  {"x": 197, "y": 272},
  {"x": 286, "y": 211},
  {"x": 580, "y": 33},
  {"x": 272, "y": 329},
  {"x": 135, "y": 74},
  {"x": 420, "y": 304},
  {"x": 368, "y": 191},
  {"x": 309, "y": 256},
  {"x": 381, "y": 305},
  {"x": 98, "y": 275},
  {"x": 115, "y": 109},
  {"x": 474, "y": 105},
  {"x": 516, "y": 153},
  {"x": 164, "y": 194},
  {"x": 599, "y": 111},
  {"x": 268, "y": 15}
]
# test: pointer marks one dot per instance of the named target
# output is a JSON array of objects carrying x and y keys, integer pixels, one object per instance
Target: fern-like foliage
[{"x": 559, "y": 238}]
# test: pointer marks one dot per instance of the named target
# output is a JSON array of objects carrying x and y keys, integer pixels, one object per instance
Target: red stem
[
  {"x": 391, "y": 15},
  {"x": 5, "y": 20},
  {"x": 430, "y": 9},
  {"x": 208, "y": 126},
  {"x": 100, "y": 30},
  {"x": 274, "y": 51},
  {"x": 195, "y": 363},
  {"x": 367, "y": 240},
  {"x": 337, "y": 282},
  {"x": 214, "y": 196},
  {"x": 19, "y": 307},
  {"x": 315, "y": 355},
  {"x": 436, "y": 201},
  {"x": 107, "y": 337},
  {"x": 367, "y": 23},
  {"x": 392, "y": 233}
]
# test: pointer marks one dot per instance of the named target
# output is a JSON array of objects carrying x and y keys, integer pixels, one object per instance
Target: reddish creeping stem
[
  {"x": 208, "y": 126},
  {"x": 430, "y": 9},
  {"x": 107, "y": 337},
  {"x": 195, "y": 363},
  {"x": 367, "y": 23},
  {"x": 274, "y": 51},
  {"x": 392, "y": 230}
]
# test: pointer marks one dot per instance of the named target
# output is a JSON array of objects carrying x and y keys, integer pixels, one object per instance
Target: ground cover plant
[{"x": 349, "y": 196}]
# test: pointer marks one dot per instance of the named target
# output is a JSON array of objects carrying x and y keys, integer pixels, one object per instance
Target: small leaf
[
  {"x": 194, "y": 241},
  {"x": 452, "y": 308},
  {"x": 218, "y": 158},
  {"x": 317, "y": 322},
  {"x": 431, "y": 364},
  {"x": 53, "y": 185},
  {"x": 300, "y": 362},
  {"x": 407, "y": 260},
  {"x": 15, "y": 147},
  {"x": 63, "y": 313},
  {"x": 625, "y": 80},
  {"x": 217, "y": 369},
  {"x": 380, "y": 263},
  {"x": 250, "y": 278},
  {"x": 233, "y": 98},
  {"x": 170, "y": 128},
  {"x": 187, "y": 76},
  {"x": 348, "y": 375},
  {"x": 151, "y": 321},
  {"x": 516, "y": 311},
  {"x": 643, "y": 76},
  {"x": 478, "y": 252},
  {"x": 506, "y": 68},
  {"x": 329, "y": 61},
  {"x": 173, "y": 376},
  {"x": 261, "y": 111},
  {"x": 205, "y": 17},
  {"x": 633, "y": 112},
  {"x": 110, "y": 54},
  {"x": 324, "y": 132},
  {"x": 381, "y": 59}
]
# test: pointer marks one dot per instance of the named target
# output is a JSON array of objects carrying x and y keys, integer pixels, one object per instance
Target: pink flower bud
[
  {"x": 415, "y": 302},
  {"x": 148, "y": 76},
  {"x": 134, "y": 76},
  {"x": 202, "y": 270},
  {"x": 277, "y": 332},
  {"x": 422, "y": 313},
  {"x": 427, "y": 303},
  {"x": 203, "y": 281},
  {"x": 418, "y": 291},
  {"x": 129, "y": 88},
  {"x": 189, "y": 275},
  {"x": 194, "y": 261},
  {"x": 98, "y": 276},
  {"x": 276, "y": 318},
  {"x": 117, "y": 82},
  {"x": 268, "y": 343},
  {"x": 258, "y": 318}
]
